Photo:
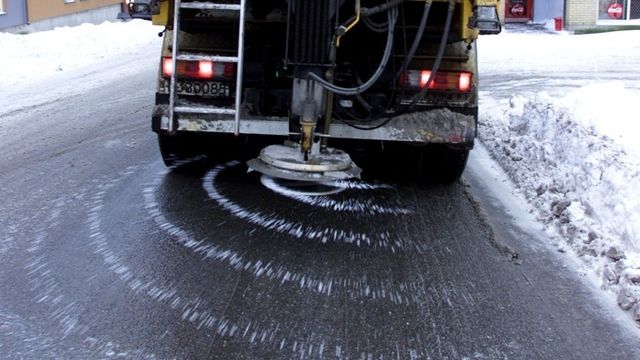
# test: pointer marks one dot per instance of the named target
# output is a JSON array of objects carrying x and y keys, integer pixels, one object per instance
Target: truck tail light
[
  {"x": 167, "y": 67},
  {"x": 459, "y": 81},
  {"x": 201, "y": 69},
  {"x": 464, "y": 82}
]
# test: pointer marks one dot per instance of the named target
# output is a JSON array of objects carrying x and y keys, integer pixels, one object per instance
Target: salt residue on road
[{"x": 575, "y": 157}]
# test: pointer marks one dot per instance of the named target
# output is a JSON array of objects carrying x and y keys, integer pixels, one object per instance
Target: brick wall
[
  {"x": 581, "y": 13},
  {"x": 501, "y": 4}
]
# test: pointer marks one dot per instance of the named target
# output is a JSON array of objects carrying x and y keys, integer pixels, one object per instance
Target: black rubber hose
[
  {"x": 392, "y": 15},
  {"x": 443, "y": 44},
  {"x": 375, "y": 27},
  {"x": 414, "y": 46},
  {"x": 436, "y": 65},
  {"x": 380, "y": 8},
  {"x": 416, "y": 41}
]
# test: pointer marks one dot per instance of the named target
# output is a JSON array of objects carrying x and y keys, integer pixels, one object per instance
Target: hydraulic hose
[
  {"x": 392, "y": 16},
  {"x": 368, "y": 12},
  {"x": 436, "y": 65},
  {"x": 375, "y": 27},
  {"x": 380, "y": 8},
  {"x": 414, "y": 46},
  {"x": 440, "y": 54},
  {"x": 416, "y": 41}
]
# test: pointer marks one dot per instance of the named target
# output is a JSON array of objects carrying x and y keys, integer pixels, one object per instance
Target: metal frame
[
  {"x": 239, "y": 68},
  {"x": 174, "y": 61},
  {"x": 175, "y": 56},
  {"x": 423, "y": 127}
]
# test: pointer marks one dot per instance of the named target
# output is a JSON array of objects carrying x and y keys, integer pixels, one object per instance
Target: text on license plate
[{"x": 203, "y": 88}]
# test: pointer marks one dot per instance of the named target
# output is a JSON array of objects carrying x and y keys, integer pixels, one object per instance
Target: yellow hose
[{"x": 353, "y": 23}]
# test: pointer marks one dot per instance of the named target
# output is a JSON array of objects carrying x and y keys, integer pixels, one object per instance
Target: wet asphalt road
[{"x": 106, "y": 254}]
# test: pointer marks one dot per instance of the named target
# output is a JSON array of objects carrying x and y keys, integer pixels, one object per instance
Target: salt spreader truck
[{"x": 314, "y": 73}]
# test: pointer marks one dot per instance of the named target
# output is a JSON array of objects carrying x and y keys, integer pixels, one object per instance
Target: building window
[
  {"x": 69, "y": 1},
  {"x": 634, "y": 9},
  {"x": 618, "y": 10}
]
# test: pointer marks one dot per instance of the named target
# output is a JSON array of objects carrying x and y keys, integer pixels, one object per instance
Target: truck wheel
[
  {"x": 443, "y": 164},
  {"x": 177, "y": 149}
]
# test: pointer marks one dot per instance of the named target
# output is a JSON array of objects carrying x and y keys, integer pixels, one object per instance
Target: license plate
[{"x": 203, "y": 88}]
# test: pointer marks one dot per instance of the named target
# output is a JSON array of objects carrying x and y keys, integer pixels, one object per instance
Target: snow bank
[
  {"x": 36, "y": 56},
  {"x": 577, "y": 164},
  {"x": 611, "y": 109},
  {"x": 559, "y": 113}
]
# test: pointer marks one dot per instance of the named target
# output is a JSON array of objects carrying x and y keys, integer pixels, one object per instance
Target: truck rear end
[{"x": 316, "y": 73}]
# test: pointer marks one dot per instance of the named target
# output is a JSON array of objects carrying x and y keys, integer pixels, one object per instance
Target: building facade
[
  {"x": 584, "y": 13},
  {"x": 45, "y": 14},
  {"x": 37, "y": 15},
  {"x": 47, "y": 9},
  {"x": 576, "y": 14}
]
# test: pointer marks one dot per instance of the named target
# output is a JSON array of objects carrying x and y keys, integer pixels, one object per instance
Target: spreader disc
[
  {"x": 291, "y": 158},
  {"x": 287, "y": 162}
]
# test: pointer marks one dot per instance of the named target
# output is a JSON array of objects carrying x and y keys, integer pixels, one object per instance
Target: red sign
[
  {"x": 521, "y": 9},
  {"x": 518, "y": 9},
  {"x": 615, "y": 11}
]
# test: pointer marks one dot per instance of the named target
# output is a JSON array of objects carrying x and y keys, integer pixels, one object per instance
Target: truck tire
[
  {"x": 443, "y": 164},
  {"x": 177, "y": 149}
]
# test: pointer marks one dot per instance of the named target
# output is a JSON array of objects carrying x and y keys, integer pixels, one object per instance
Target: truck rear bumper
[{"x": 443, "y": 126}]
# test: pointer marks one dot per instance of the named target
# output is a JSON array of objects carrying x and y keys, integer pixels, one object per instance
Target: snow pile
[
  {"x": 568, "y": 139},
  {"x": 575, "y": 160},
  {"x": 37, "y": 56},
  {"x": 611, "y": 109}
]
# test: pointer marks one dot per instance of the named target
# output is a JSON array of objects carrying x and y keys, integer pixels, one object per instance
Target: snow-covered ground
[
  {"x": 49, "y": 66},
  {"x": 558, "y": 112},
  {"x": 39, "y": 56}
]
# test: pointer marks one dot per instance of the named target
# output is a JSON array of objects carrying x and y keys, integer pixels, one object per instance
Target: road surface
[{"x": 106, "y": 254}]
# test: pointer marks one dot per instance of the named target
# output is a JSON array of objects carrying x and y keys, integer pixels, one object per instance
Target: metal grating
[
  {"x": 310, "y": 32},
  {"x": 634, "y": 9}
]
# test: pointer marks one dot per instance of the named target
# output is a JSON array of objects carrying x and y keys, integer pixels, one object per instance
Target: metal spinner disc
[{"x": 287, "y": 162}]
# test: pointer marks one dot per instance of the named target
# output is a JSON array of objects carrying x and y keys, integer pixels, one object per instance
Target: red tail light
[
  {"x": 443, "y": 81},
  {"x": 202, "y": 69},
  {"x": 205, "y": 69},
  {"x": 464, "y": 83},
  {"x": 424, "y": 77},
  {"x": 167, "y": 67}
]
